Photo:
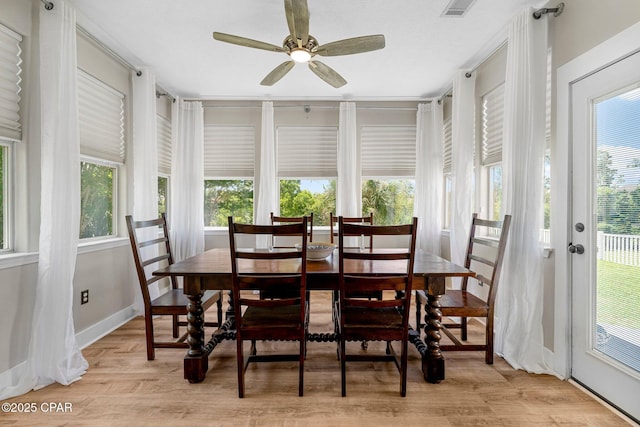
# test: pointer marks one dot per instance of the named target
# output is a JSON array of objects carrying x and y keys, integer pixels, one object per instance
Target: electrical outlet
[{"x": 84, "y": 297}]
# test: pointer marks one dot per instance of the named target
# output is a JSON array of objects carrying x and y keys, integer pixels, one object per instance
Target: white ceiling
[{"x": 423, "y": 48}]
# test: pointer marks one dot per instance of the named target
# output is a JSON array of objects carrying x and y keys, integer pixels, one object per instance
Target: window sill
[
  {"x": 100, "y": 245},
  {"x": 11, "y": 260}
]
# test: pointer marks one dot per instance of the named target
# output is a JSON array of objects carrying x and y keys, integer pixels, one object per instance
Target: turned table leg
[
  {"x": 432, "y": 360},
  {"x": 196, "y": 360}
]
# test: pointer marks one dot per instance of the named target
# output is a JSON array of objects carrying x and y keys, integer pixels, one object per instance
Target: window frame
[{"x": 7, "y": 189}]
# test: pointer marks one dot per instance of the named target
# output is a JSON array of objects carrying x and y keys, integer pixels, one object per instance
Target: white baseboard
[
  {"x": 94, "y": 332},
  {"x": 84, "y": 339}
]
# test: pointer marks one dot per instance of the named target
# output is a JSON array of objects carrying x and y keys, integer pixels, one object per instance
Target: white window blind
[
  {"x": 388, "y": 151},
  {"x": 307, "y": 151},
  {"x": 163, "y": 131},
  {"x": 492, "y": 124},
  {"x": 447, "y": 145},
  {"x": 229, "y": 151},
  {"x": 10, "y": 79},
  {"x": 101, "y": 119}
]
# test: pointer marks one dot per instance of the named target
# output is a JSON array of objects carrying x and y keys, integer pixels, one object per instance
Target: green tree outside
[
  {"x": 224, "y": 198},
  {"x": 96, "y": 200}
]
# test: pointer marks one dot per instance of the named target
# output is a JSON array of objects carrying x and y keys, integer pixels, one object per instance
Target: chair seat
[
  {"x": 370, "y": 318},
  {"x": 463, "y": 303},
  {"x": 175, "y": 302},
  {"x": 286, "y": 317}
]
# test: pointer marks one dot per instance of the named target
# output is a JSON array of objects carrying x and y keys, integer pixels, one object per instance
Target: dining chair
[
  {"x": 277, "y": 319},
  {"x": 276, "y": 219},
  {"x": 333, "y": 229},
  {"x": 152, "y": 250},
  {"x": 364, "y": 319},
  {"x": 485, "y": 253}
]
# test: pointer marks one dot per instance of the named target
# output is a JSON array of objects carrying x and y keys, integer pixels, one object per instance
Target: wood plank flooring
[{"x": 122, "y": 388}]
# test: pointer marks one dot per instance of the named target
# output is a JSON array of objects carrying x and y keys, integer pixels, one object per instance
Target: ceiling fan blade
[
  {"x": 297, "y": 12},
  {"x": 277, "y": 73},
  {"x": 243, "y": 41},
  {"x": 353, "y": 45},
  {"x": 327, "y": 74}
]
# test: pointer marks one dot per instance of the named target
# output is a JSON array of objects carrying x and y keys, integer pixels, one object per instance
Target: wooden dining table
[{"x": 212, "y": 270}]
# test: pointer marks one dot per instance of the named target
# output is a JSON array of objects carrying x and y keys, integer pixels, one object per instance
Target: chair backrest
[
  {"x": 150, "y": 245},
  {"x": 253, "y": 269},
  {"x": 397, "y": 263},
  {"x": 333, "y": 224},
  {"x": 275, "y": 219},
  {"x": 485, "y": 252}
]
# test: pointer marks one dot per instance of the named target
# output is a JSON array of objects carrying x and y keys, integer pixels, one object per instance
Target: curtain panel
[
  {"x": 462, "y": 148},
  {"x": 349, "y": 193},
  {"x": 187, "y": 179},
  {"x": 519, "y": 335},
  {"x": 267, "y": 182},
  {"x": 429, "y": 176},
  {"x": 145, "y": 161}
]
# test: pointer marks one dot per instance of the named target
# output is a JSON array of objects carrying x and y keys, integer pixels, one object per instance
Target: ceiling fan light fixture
[{"x": 300, "y": 55}]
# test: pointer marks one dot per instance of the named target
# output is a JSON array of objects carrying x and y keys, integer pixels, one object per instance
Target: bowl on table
[{"x": 317, "y": 251}]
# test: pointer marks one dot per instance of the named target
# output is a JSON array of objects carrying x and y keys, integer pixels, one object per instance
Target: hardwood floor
[{"x": 122, "y": 388}]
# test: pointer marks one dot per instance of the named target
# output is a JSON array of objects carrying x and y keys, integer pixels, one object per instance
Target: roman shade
[
  {"x": 163, "y": 131},
  {"x": 101, "y": 119},
  {"x": 492, "y": 123},
  {"x": 10, "y": 71},
  {"x": 388, "y": 151},
  {"x": 307, "y": 151},
  {"x": 446, "y": 145},
  {"x": 229, "y": 151}
]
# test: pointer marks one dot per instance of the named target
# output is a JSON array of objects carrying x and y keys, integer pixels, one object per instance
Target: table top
[{"x": 217, "y": 262}]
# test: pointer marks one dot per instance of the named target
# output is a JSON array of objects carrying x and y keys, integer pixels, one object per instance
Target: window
[
  {"x": 97, "y": 190},
  {"x": 447, "y": 142},
  {"x": 101, "y": 123},
  {"x": 229, "y": 153},
  {"x": 10, "y": 125},
  {"x": 163, "y": 194},
  {"x": 307, "y": 171},
  {"x": 492, "y": 124},
  {"x": 388, "y": 158},
  {"x": 163, "y": 132}
]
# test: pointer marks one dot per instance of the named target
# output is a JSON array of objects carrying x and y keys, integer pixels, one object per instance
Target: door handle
[{"x": 576, "y": 249}]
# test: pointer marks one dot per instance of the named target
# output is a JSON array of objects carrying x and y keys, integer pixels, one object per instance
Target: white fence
[{"x": 619, "y": 248}]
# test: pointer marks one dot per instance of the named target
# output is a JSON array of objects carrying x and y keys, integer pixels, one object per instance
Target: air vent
[{"x": 457, "y": 8}]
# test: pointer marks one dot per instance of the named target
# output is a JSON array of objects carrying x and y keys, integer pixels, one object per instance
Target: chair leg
[
  {"x": 403, "y": 368},
  {"x": 175, "y": 326},
  {"x": 488, "y": 355},
  {"x": 463, "y": 328},
  {"x": 301, "y": 368},
  {"x": 418, "y": 313},
  {"x": 240, "y": 357},
  {"x": 148, "y": 327},
  {"x": 219, "y": 303},
  {"x": 343, "y": 368}
]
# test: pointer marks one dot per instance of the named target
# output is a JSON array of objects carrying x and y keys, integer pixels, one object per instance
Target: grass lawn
[{"x": 618, "y": 294}]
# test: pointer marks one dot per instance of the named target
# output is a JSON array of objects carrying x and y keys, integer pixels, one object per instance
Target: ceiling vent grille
[{"x": 457, "y": 8}]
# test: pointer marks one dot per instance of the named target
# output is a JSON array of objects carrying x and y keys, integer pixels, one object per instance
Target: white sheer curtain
[
  {"x": 428, "y": 196},
  {"x": 187, "y": 179},
  {"x": 145, "y": 158},
  {"x": 268, "y": 182},
  {"x": 54, "y": 355},
  {"x": 519, "y": 336},
  {"x": 462, "y": 147},
  {"x": 348, "y": 185}
]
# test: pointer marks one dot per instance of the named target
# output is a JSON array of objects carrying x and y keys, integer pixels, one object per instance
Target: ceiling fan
[{"x": 302, "y": 47}]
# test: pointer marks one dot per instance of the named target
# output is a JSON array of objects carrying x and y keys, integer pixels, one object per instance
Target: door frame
[{"x": 612, "y": 50}]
